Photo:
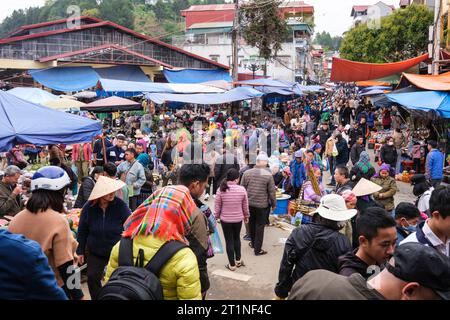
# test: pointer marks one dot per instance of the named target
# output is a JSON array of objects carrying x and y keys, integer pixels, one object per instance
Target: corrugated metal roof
[{"x": 211, "y": 7}]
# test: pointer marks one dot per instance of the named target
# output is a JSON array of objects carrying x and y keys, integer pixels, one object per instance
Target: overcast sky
[{"x": 330, "y": 15}]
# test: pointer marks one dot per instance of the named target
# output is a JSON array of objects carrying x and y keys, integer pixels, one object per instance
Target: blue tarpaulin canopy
[
  {"x": 438, "y": 101},
  {"x": 66, "y": 79},
  {"x": 136, "y": 88},
  {"x": 376, "y": 88},
  {"x": 382, "y": 101},
  {"x": 125, "y": 73},
  {"x": 40, "y": 125},
  {"x": 80, "y": 78},
  {"x": 196, "y": 76},
  {"x": 267, "y": 82},
  {"x": 372, "y": 92},
  {"x": 236, "y": 94},
  {"x": 34, "y": 95}
]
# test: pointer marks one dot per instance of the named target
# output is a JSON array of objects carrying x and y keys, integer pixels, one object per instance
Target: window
[{"x": 214, "y": 57}]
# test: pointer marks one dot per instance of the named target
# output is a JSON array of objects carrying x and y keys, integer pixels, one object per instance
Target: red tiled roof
[
  {"x": 113, "y": 25},
  {"x": 105, "y": 46},
  {"x": 359, "y": 8}
]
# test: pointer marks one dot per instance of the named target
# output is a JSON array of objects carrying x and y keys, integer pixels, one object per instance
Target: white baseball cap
[{"x": 333, "y": 207}]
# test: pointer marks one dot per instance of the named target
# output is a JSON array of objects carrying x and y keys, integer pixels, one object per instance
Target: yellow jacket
[{"x": 180, "y": 277}]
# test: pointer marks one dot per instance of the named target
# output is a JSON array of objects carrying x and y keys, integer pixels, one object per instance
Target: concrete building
[
  {"x": 208, "y": 34},
  {"x": 365, "y": 13}
]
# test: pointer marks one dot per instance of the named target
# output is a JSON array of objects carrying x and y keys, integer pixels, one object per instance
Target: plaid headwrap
[
  {"x": 166, "y": 214},
  {"x": 364, "y": 162}
]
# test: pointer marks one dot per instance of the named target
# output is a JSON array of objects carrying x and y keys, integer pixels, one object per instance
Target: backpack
[{"x": 137, "y": 282}]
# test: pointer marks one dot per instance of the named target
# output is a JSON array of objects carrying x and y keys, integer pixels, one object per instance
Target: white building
[
  {"x": 365, "y": 13},
  {"x": 213, "y": 40}
]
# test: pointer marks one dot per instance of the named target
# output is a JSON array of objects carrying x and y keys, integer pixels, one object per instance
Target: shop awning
[
  {"x": 427, "y": 101},
  {"x": 66, "y": 79},
  {"x": 439, "y": 82},
  {"x": 237, "y": 94},
  {"x": 196, "y": 76},
  {"x": 351, "y": 71},
  {"x": 24, "y": 122}
]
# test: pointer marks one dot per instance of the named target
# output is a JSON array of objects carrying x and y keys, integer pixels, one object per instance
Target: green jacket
[
  {"x": 10, "y": 205},
  {"x": 389, "y": 189}
]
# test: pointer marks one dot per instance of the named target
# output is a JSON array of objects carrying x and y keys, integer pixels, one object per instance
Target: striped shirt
[
  {"x": 232, "y": 205},
  {"x": 260, "y": 188}
]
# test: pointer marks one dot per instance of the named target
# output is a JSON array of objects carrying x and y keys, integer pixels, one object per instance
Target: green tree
[
  {"x": 146, "y": 23},
  {"x": 117, "y": 11},
  {"x": 263, "y": 27},
  {"x": 402, "y": 35}
]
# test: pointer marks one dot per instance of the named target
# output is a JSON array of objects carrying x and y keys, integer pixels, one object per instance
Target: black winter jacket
[
  {"x": 99, "y": 231},
  {"x": 309, "y": 247},
  {"x": 87, "y": 184},
  {"x": 343, "y": 152},
  {"x": 389, "y": 155},
  {"x": 350, "y": 264}
]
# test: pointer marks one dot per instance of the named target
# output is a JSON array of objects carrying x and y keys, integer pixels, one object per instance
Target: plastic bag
[
  {"x": 325, "y": 165},
  {"x": 215, "y": 238}
]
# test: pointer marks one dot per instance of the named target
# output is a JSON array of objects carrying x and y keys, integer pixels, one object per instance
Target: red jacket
[{"x": 87, "y": 152}]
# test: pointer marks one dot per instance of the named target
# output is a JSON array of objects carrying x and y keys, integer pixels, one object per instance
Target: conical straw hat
[
  {"x": 365, "y": 187},
  {"x": 105, "y": 186}
]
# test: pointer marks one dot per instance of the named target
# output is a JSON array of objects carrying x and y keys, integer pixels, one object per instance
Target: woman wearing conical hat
[{"x": 100, "y": 228}]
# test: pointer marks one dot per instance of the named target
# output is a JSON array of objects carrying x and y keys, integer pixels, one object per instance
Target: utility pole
[
  {"x": 436, "y": 37},
  {"x": 235, "y": 42}
]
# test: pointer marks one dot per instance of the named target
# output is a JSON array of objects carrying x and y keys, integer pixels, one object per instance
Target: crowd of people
[{"x": 143, "y": 192}]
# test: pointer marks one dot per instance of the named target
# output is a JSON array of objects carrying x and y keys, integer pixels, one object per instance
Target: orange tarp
[
  {"x": 439, "y": 82},
  {"x": 351, "y": 71},
  {"x": 372, "y": 83}
]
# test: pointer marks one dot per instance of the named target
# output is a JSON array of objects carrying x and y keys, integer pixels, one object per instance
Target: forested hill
[{"x": 156, "y": 18}]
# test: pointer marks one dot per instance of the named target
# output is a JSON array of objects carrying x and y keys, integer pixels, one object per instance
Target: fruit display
[{"x": 73, "y": 217}]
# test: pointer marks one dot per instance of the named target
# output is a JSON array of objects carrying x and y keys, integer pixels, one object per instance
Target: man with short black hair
[
  {"x": 377, "y": 237},
  {"x": 116, "y": 154},
  {"x": 434, "y": 164},
  {"x": 135, "y": 176},
  {"x": 406, "y": 218},
  {"x": 98, "y": 148},
  {"x": 342, "y": 177},
  {"x": 10, "y": 192},
  {"x": 356, "y": 150},
  {"x": 435, "y": 231},
  {"x": 415, "y": 272},
  {"x": 195, "y": 178}
]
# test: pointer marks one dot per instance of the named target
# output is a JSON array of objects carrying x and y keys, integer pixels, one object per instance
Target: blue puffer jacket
[
  {"x": 298, "y": 173},
  {"x": 435, "y": 165},
  {"x": 98, "y": 232},
  {"x": 24, "y": 270}
]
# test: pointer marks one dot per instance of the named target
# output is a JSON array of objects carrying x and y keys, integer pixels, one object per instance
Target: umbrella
[
  {"x": 63, "y": 104},
  {"x": 112, "y": 104}
]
